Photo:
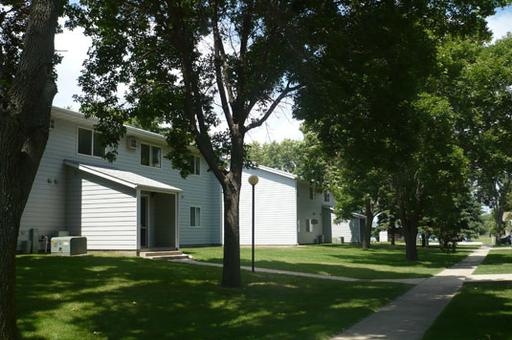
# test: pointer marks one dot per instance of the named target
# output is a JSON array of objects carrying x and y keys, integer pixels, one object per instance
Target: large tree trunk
[
  {"x": 231, "y": 269},
  {"x": 367, "y": 230},
  {"x": 410, "y": 227},
  {"x": 392, "y": 222},
  {"x": 498, "y": 219},
  {"x": 24, "y": 123},
  {"x": 9, "y": 226}
]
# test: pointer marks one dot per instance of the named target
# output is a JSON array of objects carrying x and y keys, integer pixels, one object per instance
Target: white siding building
[
  {"x": 138, "y": 201},
  {"x": 275, "y": 206},
  {"x": 289, "y": 211}
]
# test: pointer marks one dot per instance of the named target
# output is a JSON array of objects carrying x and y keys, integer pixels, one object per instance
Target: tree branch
[
  {"x": 272, "y": 107},
  {"x": 219, "y": 61}
]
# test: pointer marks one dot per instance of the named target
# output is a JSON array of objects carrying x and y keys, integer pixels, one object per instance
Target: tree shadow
[
  {"x": 378, "y": 262},
  {"x": 479, "y": 311},
  {"x": 130, "y": 298}
]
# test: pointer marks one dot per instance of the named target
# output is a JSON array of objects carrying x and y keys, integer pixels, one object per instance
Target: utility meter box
[{"x": 69, "y": 245}]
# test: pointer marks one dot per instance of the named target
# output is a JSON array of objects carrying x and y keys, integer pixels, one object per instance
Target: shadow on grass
[
  {"x": 496, "y": 262},
  {"x": 378, "y": 262},
  {"x": 112, "y": 298},
  {"x": 479, "y": 311},
  {"x": 498, "y": 258}
]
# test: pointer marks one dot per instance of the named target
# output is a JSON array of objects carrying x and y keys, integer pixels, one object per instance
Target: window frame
[
  {"x": 311, "y": 193},
  {"x": 327, "y": 196},
  {"x": 150, "y": 158},
  {"x": 308, "y": 226},
  {"x": 197, "y": 213},
  {"x": 93, "y": 133},
  {"x": 196, "y": 166}
]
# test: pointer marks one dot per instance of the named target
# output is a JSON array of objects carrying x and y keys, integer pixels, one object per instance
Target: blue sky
[
  {"x": 501, "y": 22},
  {"x": 281, "y": 125}
]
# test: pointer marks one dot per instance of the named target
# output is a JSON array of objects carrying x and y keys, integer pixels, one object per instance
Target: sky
[{"x": 73, "y": 45}]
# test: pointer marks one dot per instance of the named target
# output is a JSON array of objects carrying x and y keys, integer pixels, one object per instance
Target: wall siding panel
[
  {"x": 275, "y": 206},
  {"x": 115, "y": 228}
]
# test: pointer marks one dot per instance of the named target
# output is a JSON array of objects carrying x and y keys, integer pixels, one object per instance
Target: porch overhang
[{"x": 125, "y": 178}]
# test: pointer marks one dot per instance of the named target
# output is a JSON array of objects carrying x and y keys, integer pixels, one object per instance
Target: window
[
  {"x": 150, "y": 155},
  {"x": 90, "y": 143},
  {"x": 195, "y": 216},
  {"x": 195, "y": 165},
  {"x": 156, "y": 155},
  {"x": 311, "y": 192},
  {"x": 309, "y": 226},
  {"x": 327, "y": 196}
]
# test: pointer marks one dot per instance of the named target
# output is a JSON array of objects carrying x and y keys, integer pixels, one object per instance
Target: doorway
[{"x": 144, "y": 220}]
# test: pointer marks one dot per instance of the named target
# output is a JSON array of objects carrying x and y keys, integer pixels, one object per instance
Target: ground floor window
[
  {"x": 195, "y": 216},
  {"x": 309, "y": 226}
]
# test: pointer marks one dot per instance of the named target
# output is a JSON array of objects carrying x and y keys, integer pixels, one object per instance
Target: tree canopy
[
  {"x": 370, "y": 100},
  {"x": 211, "y": 70}
]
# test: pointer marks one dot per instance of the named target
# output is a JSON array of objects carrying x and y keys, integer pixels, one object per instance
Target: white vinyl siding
[
  {"x": 109, "y": 215},
  {"x": 349, "y": 230},
  {"x": 44, "y": 210},
  {"x": 47, "y": 206},
  {"x": 309, "y": 209},
  {"x": 275, "y": 207}
]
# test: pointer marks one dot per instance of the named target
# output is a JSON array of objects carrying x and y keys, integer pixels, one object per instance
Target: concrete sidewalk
[
  {"x": 410, "y": 315},
  {"x": 412, "y": 281}
]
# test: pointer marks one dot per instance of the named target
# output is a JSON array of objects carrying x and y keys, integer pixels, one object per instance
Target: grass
[
  {"x": 485, "y": 239},
  {"x": 498, "y": 261},
  {"x": 101, "y": 297},
  {"x": 479, "y": 311},
  {"x": 380, "y": 262}
]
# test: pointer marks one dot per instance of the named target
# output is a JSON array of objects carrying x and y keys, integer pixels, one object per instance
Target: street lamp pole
[{"x": 253, "y": 180}]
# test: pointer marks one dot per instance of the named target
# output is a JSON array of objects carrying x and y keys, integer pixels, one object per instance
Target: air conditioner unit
[
  {"x": 131, "y": 142},
  {"x": 68, "y": 245}
]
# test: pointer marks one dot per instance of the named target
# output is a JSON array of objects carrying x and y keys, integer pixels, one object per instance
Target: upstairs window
[
  {"x": 195, "y": 165},
  {"x": 195, "y": 216},
  {"x": 311, "y": 192},
  {"x": 150, "y": 155},
  {"x": 327, "y": 196},
  {"x": 90, "y": 143}
]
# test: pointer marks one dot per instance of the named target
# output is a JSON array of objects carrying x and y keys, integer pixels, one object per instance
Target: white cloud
[{"x": 72, "y": 46}]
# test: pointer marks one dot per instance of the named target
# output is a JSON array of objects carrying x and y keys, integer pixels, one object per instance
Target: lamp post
[{"x": 253, "y": 180}]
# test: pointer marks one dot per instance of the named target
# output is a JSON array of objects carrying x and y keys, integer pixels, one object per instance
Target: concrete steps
[{"x": 164, "y": 255}]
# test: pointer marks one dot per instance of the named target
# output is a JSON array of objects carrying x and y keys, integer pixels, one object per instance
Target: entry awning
[{"x": 126, "y": 178}]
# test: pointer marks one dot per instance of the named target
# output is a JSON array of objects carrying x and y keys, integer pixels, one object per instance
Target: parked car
[{"x": 506, "y": 240}]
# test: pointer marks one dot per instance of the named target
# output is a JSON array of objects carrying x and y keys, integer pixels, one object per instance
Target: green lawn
[
  {"x": 479, "y": 311},
  {"x": 499, "y": 261},
  {"x": 101, "y": 297},
  {"x": 379, "y": 262}
]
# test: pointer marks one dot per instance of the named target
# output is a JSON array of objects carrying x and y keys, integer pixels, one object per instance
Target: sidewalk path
[
  {"x": 489, "y": 277},
  {"x": 410, "y": 315},
  {"x": 412, "y": 281}
]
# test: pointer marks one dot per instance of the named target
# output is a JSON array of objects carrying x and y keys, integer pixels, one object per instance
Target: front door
[{"x": 144, "y": 220}]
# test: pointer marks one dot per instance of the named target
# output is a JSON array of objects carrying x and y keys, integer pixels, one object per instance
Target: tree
[
  {"x": 484, "y": 97},
  {"x": 284, "y": 155},
  {"x": 364, "y": 98},
  {"x": 27, "y": 88},
  {"x": 359, "y": 191},
  {"x": 176, "y": 58},
  {"x": 305, "y": 158}
]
